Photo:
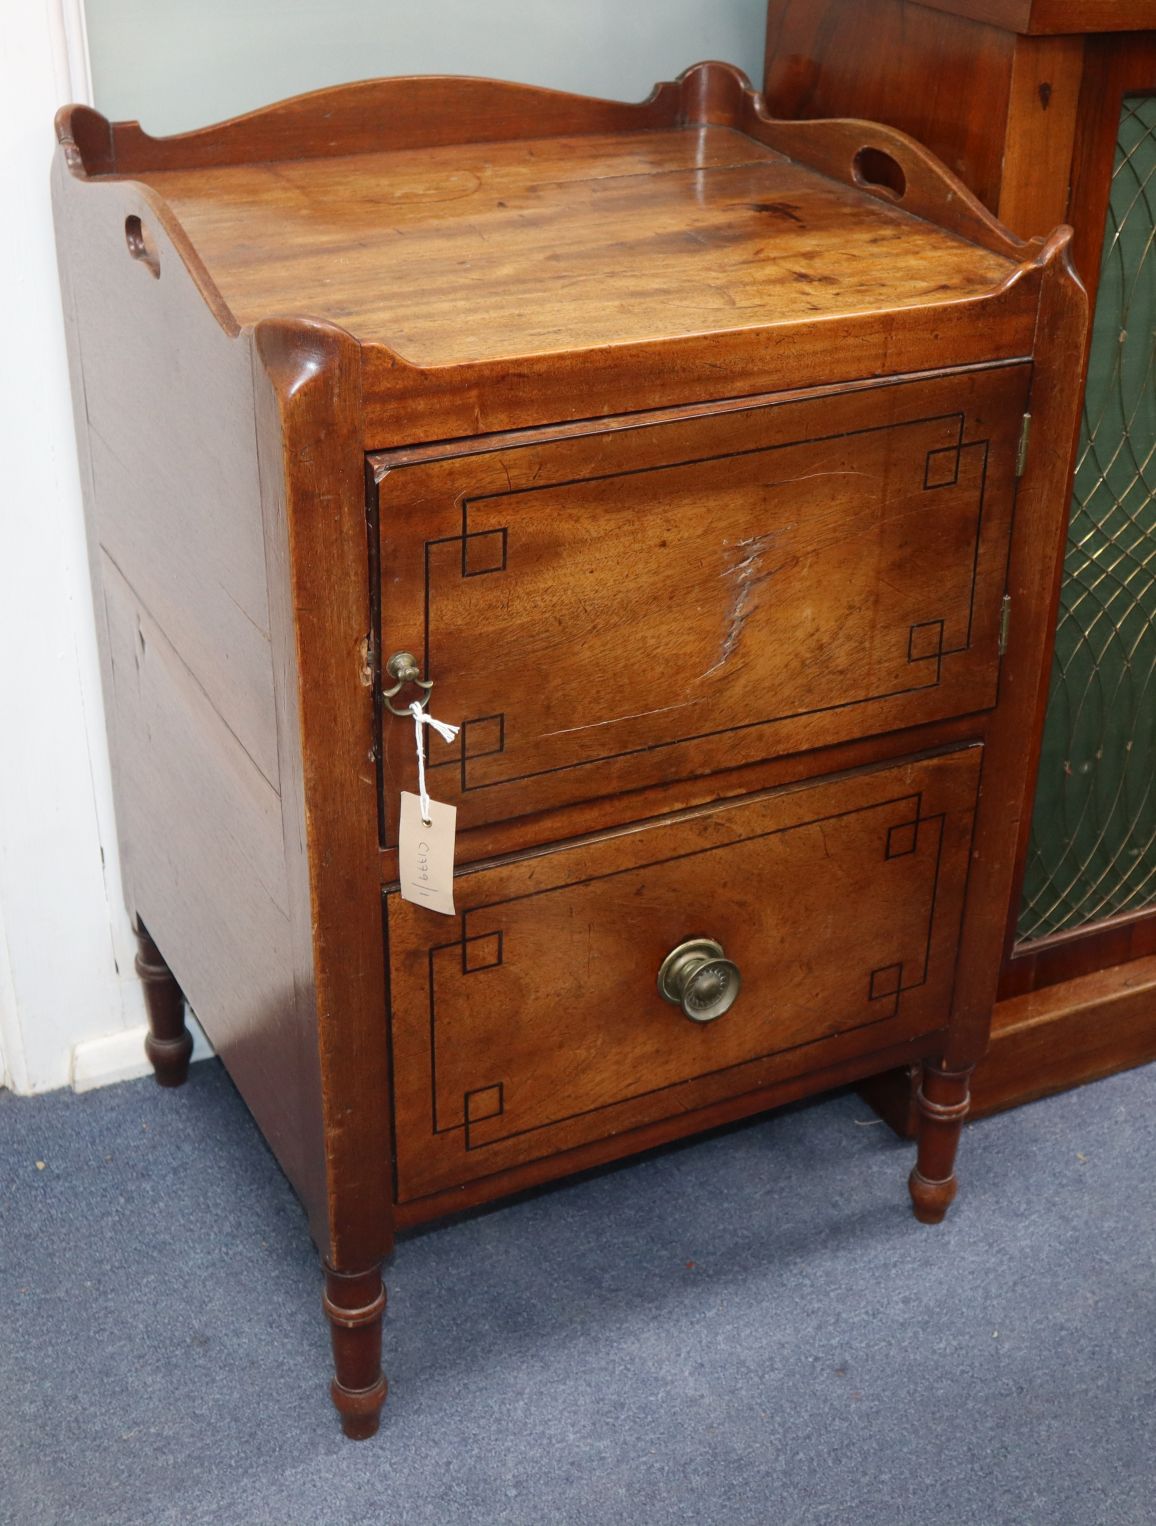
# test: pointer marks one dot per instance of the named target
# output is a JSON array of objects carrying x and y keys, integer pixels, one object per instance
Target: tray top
[{"x": 487, "y": 251}]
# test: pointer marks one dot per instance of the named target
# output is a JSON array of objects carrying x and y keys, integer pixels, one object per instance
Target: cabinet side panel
[
  {"x": 209, "y": 877},
  {"x": 173, "y": 493},
  {"x": 165, "y": 420}
]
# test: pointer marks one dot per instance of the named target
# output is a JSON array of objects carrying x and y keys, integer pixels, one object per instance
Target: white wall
[
  {"x": 70, "y": 1007},
  {"x": 174, "y": 66},
  {"x": 65, "y": 944}
]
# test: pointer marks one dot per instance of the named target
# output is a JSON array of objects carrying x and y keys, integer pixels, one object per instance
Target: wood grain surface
[
  {"x": 1000, "y": 109},
  {"x": 531, "y": 1022},
  {"x": 719, "y": 589},
  {"x": 164, "y": 453},
  {"x": 886, "y": 60},
  {"x": 1063, "y": 1035},
  {"x": 679, "y": 444},
  {"x": 1043, "y": 17},
  {"x": 487, "y": 252},
  {"x": 1080, "y": 1029},
  {"x": 654, "y": 286}
]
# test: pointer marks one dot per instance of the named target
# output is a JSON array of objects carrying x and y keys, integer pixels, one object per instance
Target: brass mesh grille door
[{"x": 1093, "y": 848}]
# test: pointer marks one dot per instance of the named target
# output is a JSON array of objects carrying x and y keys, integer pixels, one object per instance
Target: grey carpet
[{"x": 749, "y": 1329}]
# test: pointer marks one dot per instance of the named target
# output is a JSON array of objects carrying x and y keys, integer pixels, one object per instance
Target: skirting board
[
  {"x": 1047, "y": 1041},
  {"x": 121, "y": 1056}
]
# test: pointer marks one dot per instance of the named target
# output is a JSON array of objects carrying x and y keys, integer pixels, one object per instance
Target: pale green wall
[{"x": 178, "y": 65}]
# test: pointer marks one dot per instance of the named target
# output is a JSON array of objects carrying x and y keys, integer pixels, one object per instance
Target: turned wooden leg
[
  {"x": 942, "y": 1103},
  {"x": 169, "y": 1043},
  {"x": 355, "y": 1303}
]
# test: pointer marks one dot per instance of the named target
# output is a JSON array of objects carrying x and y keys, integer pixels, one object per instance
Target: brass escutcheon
[
  {"x": 698, "y": 977},
  {"x": 403, "y": 666}
]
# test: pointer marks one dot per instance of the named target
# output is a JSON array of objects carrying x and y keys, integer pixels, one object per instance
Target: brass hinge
[
  {"x": 1022, "y": 447},
  {"x": 1004, "y": 622}
]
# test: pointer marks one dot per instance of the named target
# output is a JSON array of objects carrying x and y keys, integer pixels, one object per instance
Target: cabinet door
[
  {"x": 1093, "y": 849},
  {"x": 669, "y": 597},
  {"x": 532, "y": 1022}
]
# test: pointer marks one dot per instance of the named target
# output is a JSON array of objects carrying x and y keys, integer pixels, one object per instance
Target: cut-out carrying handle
[
  {"x": 877, "y": 170},
  {"x": 890, "y": 166},
  {"x": 140, "y": 245}
]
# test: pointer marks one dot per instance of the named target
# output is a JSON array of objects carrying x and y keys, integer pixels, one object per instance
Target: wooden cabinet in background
[
  {"x": 685, "y": 453},
  {"x": 1046, "y": 109}
]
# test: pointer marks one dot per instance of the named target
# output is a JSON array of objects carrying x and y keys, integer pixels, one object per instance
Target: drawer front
[
  {"x": 664, "y": 600},
  {"x": 532, "y": 1022}
]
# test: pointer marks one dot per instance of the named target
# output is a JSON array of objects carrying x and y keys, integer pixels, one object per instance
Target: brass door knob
[
  {"x": 403, "y": 667},
  {"x": 698, "y": 977}
]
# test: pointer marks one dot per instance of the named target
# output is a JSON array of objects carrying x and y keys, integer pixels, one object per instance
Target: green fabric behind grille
[{"x": 1093, "y": 848}]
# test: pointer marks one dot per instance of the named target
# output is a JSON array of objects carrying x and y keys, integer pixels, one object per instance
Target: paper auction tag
[{"x": 426, "y": 854}]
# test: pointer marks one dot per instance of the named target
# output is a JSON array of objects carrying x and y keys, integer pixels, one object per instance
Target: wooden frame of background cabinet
[
  {"x": 1021, "y": 98},
  {"x": 228, "y": 471}
]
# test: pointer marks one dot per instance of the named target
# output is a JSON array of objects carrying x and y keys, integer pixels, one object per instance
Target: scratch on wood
[
  {"x": 747, "y": 574},
  {"x": 810, "y": 476},
  {"x": 614, "y": 720}
]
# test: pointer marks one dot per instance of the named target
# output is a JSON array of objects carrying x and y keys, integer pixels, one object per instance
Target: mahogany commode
[{"x": 687, "y": 454}]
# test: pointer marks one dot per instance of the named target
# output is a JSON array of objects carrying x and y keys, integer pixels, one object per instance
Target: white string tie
[{"x": 446, "y": 732}]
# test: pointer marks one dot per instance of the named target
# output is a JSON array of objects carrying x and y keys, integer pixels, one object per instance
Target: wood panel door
[
  {"x": 532, "y": 1021},
  {"x": 670, "y": 597}
]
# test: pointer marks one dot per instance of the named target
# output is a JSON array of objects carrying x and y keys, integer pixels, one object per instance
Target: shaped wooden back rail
[{"x": 395, "y": 114}]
